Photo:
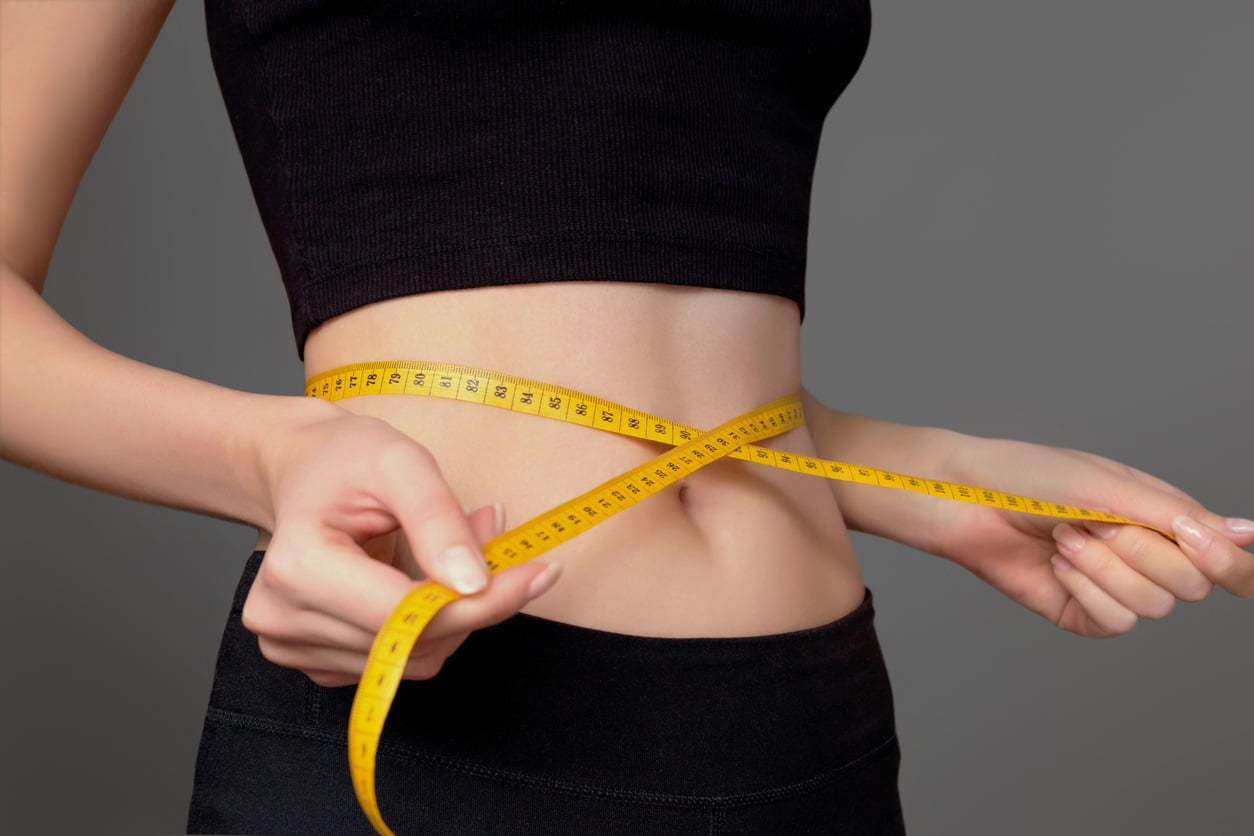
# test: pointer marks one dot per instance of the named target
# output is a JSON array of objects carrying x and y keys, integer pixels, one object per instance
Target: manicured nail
[
  {"x": 499, "y": 509},
  {"x": 540, "y": 583},
  {"x": 464, "y": 569},
  {"x": 1239, "y": 526},
  {"x": 1061, "y": 564},
  {"x": 1068, "y": 537},
  {"x": 1104, "y": 530},
  {"x": 1190, "y": 532}
]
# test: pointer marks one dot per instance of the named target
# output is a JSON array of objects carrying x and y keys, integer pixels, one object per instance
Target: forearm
[
  {"x": 81, "y": 413},
  {"x": 885, "y": 445}
]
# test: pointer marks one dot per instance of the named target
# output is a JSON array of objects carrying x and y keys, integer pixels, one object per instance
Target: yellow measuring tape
[{"x": 692, "y": 449}]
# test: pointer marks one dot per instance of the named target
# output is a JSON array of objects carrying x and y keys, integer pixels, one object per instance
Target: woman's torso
[{"x": 735, "y": 548}]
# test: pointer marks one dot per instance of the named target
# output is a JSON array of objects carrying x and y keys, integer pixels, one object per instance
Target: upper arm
[{"x": 64, "y": 69}]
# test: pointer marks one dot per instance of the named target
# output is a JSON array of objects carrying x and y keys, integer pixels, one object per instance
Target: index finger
[
  {"x": 438, "y": 531},
  {"x": 1222, "y": 561}
]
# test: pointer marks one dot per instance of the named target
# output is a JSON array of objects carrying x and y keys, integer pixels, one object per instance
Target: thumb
[
  {"x": 1239, "y": 531},
  {"x": 1149, "y": 504}
]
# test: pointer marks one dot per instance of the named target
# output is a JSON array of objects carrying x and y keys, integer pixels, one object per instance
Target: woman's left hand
[{"x": 1094, "y": 579}]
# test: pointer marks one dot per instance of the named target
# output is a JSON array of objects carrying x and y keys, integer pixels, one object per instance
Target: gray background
[{"x": 1057, "y": 194}]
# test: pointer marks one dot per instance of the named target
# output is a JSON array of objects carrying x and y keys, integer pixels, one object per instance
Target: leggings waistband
[{"x": 700, "y": 716}]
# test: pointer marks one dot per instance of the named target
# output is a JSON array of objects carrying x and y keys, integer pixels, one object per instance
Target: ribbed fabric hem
[{"x": 685, "y": 263}]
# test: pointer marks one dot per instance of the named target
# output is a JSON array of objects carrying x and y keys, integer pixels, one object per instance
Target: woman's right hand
[{"x": 343, "y": 488}]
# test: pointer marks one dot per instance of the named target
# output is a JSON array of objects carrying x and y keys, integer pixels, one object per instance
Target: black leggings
[{"x": 538, "y": 727}]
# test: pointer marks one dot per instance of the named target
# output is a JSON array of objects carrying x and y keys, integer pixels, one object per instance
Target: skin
[
  {"x": 355, "y": 501},
  {"x": 1092, "y": 579}
]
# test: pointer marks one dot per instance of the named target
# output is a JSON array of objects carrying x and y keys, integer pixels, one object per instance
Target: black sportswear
[{"x": 405, "y": 146}]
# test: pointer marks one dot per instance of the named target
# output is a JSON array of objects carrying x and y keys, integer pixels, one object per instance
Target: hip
[{"x": 536, "y": 726}]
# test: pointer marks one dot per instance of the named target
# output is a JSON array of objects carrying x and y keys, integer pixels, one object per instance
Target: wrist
[{"x": 259, "y": 442}]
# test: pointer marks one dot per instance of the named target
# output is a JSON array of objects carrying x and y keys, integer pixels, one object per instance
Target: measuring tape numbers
[{"x": 691, "y": 449}]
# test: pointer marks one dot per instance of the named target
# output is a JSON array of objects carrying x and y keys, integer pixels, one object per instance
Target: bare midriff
[{"x": 733, "y": 549}]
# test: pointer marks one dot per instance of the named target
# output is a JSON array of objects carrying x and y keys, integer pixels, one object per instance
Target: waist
[{"x": 732, "y": 549}]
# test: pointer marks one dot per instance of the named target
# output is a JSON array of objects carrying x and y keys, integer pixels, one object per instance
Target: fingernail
[
  {"x": 1239, "y": 526},
  {"x": 540, "y": 583},
  {"x": 464, "y": 569},
  {"x": 499, "y": 509},
  {"x": 1190, "y": 532},
  {"x": 1068, "y": 537},
  {"x": 1106, "y": 531},
  {"x": 1061, "y": 564}
]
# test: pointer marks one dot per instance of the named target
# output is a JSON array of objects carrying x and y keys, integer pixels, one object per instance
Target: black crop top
[{"x": 405, "y": 146}]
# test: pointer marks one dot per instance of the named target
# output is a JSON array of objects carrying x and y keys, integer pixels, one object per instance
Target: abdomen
[{"x": 735, "y": 548}]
